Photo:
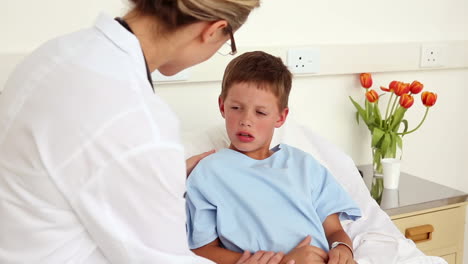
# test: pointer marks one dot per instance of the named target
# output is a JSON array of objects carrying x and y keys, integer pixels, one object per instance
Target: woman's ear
[
  {"x": 214, "y": 31},
  {"x": 221, "y": 106},
  {"x": 282, "y": 117}
]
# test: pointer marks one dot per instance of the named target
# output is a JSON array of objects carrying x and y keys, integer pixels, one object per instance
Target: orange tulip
[
  {"x": 416, "y": 87},
  {"x": 385, "y": 89},
  {"x": 428, "y": 98},
  {"x": 392, "y": 86},
  {"x": 402, "y": 88},
  {"x": 406, "y": 101},
  {"x": 372, "y": 96},
  {"x": 366, "y": 80}
]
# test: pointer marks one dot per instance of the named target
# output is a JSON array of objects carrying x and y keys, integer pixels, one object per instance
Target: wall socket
[
  {"x": 432, "y": 56},
  {"x": 304, "y": 60}
]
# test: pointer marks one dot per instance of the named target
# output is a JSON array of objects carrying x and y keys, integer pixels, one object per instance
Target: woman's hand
[
  {"x": 304, "y": 253},
  {"x": 262, "y": 257},
  {"x": 193, "y": 161},
  {"x": 340, "y": 255}
]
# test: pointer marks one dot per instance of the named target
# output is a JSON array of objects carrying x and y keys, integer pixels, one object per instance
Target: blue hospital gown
[{"x": 269, "y": 204}]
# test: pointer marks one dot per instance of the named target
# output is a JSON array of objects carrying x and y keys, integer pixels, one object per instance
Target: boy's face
[{"x": 251, "y": 116}]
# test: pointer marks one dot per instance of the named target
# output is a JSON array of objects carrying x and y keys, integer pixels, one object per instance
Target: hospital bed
[{"x": 375, "y": 238}]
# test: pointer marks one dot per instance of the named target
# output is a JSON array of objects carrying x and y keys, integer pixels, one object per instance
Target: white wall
[
  {"x": 334, "y": 21},
  {"x": 438, "y": 151},
  {"x": 27, "y": 24}
]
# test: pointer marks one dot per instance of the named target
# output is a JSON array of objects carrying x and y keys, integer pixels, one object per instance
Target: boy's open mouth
[
  {"x": 245, "y": 137},
  {"x": 244, "y": 134}
]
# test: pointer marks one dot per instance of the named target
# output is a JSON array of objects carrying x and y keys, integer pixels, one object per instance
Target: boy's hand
[
  {"x": 304, "y": 253},
  {"x": 262, "y": 257},
  {"x": 340, "y": 255},
  {"x": 193, "y": 161}
]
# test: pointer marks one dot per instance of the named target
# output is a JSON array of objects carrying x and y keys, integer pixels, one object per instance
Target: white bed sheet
[{"x": 375, "y": 238}]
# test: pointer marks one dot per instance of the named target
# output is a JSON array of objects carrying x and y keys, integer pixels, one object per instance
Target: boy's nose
[{"x": 245, "y": 120}]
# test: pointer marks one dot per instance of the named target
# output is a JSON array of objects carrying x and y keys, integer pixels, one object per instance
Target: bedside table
[{"x": 430, "y": 214}]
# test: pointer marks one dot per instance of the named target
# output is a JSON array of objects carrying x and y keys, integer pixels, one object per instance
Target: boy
[{"x": 251, "y": 197}]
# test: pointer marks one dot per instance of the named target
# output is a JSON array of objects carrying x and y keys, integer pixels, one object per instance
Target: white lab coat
[{"x": 91, "y": 166}]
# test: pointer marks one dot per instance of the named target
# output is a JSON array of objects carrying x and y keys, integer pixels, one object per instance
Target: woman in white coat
[{"x": 91, "y": 166}]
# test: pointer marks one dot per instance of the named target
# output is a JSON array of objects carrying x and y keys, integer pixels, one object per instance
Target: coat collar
[{"x": 121, "y": 38}]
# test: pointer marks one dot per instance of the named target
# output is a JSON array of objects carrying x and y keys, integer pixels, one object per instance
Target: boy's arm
[
  {"x": 213, "y": 251},
  {"x": 335, "y": 233}
]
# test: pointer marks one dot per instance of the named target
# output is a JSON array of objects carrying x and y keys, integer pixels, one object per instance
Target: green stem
[
  {"x": 392, "y": 112},
  {"x": 422, "y": 121},
  {"x": 388, "y": 106},
  {"x": 367, "y": 105}
]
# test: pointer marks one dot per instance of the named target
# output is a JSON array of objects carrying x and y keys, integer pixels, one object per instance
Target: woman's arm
[{"x": 193, "y": 161}]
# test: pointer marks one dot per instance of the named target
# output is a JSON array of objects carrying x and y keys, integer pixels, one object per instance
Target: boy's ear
[
  {"x": 214, "y": 31},
  {"x": 221, "y": 105},
  {"x": 282, "y": 117}
]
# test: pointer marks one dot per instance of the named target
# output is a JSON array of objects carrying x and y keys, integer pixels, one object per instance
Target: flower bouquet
[{"x": 388, "y": 127}]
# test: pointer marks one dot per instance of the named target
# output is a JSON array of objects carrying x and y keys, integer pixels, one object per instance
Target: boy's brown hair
[{"x": 263, "y": 69}]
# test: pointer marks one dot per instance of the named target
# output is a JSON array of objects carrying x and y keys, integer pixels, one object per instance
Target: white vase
[
  {"x": 391, "y": 173},
  {"x": 390, "y": 198}
]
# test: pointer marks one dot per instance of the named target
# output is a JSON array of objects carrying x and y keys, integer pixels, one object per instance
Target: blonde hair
[
  {"x": 176, "y": 13},
  {"x": 266, "y": 71}
]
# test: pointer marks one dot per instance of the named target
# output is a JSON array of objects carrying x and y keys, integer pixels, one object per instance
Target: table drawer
[
  {"x": 451, "y": 258},
  {"x": 434, "y": 230}
]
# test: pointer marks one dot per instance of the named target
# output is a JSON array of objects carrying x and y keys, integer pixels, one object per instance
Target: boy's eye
[
  {"x": 234, "y": 107},
  {"x": 261, "y": 113}
]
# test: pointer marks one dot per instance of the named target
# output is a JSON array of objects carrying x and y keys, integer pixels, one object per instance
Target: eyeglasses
[{"x": 228, "y": 48}]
